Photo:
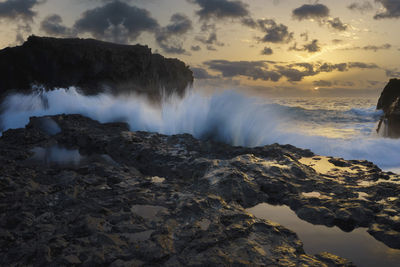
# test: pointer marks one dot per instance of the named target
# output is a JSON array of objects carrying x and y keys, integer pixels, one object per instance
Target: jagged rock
[
  {"x": 92, "y": 65},
  {"x": 123, "y": 198},
  {"x": 389, "y": 102}
]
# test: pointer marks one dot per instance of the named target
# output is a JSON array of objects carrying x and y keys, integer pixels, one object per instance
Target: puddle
[
  {"x": 147, "y": 211},
  {"x": 357, "y": 246}
]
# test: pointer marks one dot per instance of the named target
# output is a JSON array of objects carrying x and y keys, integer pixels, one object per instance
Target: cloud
[
  {"x": 325, "y": 83},
  {"x": 361, "y": 7},
  {"x": 374, "y": 48},
  {"x": 169, "y": 38},
  {"x": 274, "y": 33},
  {"x": 252, "y": 69},
  {"x": 18, "y": 9},
  {"x": 322, "y": 83},
  {"x": 392, "y": 73},
  {"x": 391, "y": 9},
  {"x": 195, "y": 48},
  {"x": 362, "y": 65},
  {"x": 320, "y": 13},
  {"x": 328, "y": 67},
  {"x": 267, "y": 51},
  {"x": 212, "y": 39},
  {"x": 337, "y": 41},
  {"x": 316, "y": 11},
  {"x": 52, "y": 25},
  {"x": 220, "y": 9},
  {"x": 116, "y": 21},
  {"x": 273, "y": 71},
  {"x": 337, "y": 24},
  {"x": 200, "y": 73},
  {"x": 311, "y": 47},
  {"x": 296, "y": 72}
]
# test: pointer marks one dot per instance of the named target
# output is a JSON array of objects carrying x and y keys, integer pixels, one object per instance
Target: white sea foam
[{"x": 229, "y": 117}]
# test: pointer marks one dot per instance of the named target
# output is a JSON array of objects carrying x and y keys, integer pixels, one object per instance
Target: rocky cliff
[
  {"x": 92, "y": 65},
  {"x": 389, "y": 102},
  {"x": 74, "y": 191}
]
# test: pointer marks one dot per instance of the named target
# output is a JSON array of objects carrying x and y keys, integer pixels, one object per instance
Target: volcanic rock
[
  {"x": 389, "y": 102},
  {"x": 93, "y": 66},
  {"x": 98, "y": 194}
]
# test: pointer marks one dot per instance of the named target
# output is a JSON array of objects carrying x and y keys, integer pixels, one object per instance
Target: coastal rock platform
[{"x": 78, "y": 192}]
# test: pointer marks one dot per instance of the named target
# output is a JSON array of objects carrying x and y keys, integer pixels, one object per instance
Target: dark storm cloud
[
  {"x": 169, "y": 38},
  {"x": 117, "y": 21},
  {"x": 316, "y": 11},
  {"x": 220, "y": 9},
  {"x": 18, "y": 9},
  {"x": 311, "y": 47},
  {"x": 274, "y": 32},
  {"x": 268, "y": 70},
  {"x": 252, "y": 69},
  {"x": 267, "y": 51},
  {"x": 53, "y": 25},
  {"x": 361, "y": 7},
  {"x": 391, "y": 9}
]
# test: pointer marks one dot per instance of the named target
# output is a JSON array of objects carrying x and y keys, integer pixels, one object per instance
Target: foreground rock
[
  {"x": 92, "y": 65},
  {"x": 389, "y": 102},
  {"x": 74, "y": 191}
]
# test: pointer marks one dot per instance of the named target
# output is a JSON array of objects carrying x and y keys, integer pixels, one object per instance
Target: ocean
[{"x": 340, "y": 127}]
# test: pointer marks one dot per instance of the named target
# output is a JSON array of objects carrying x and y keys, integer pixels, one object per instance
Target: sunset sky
[{"x": 278, "y": 47}]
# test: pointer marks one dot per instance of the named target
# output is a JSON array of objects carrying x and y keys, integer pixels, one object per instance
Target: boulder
[{"x": 389, "y": 102}]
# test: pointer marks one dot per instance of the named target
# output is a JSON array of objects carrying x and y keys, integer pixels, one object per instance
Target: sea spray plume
[{"x": 229, "y": 117}]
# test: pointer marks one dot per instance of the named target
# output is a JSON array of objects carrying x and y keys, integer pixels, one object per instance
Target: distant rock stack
[
  {"x": 389, "y": 102},
  {"x": 91, "y": 65}
]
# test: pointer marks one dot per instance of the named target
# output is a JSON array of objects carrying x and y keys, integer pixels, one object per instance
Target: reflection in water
[{"x": 357, "y": 246}]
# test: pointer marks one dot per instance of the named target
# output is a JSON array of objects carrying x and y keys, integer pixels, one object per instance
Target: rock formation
[
  {"x": 389, "y": 102},
  {"x": 123, "y": 198},
  {"x": 92, "y": 65}
]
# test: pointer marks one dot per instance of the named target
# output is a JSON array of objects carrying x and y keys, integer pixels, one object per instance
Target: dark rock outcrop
[
  {"x": 74, "y": 191},
  {"x": 389, "y": 102},
  {"x": 92, "y": 65}
]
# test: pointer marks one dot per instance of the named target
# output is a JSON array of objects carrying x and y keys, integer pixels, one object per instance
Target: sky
[{"x": 271, "y": 47}]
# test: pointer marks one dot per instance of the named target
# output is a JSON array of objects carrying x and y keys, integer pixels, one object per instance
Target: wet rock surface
[
  {"x": 389, "y": 102},
  {"x": 138, "y": 198},
  {"x": 91, "y": 65}
]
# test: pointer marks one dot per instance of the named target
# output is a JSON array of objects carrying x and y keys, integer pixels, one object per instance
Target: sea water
[{"x": 340, "y": 127}]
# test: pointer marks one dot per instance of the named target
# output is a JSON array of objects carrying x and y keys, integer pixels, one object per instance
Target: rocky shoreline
[
  {"x": 77, "y": 192},
  {"x": 91, "y": 65}
]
